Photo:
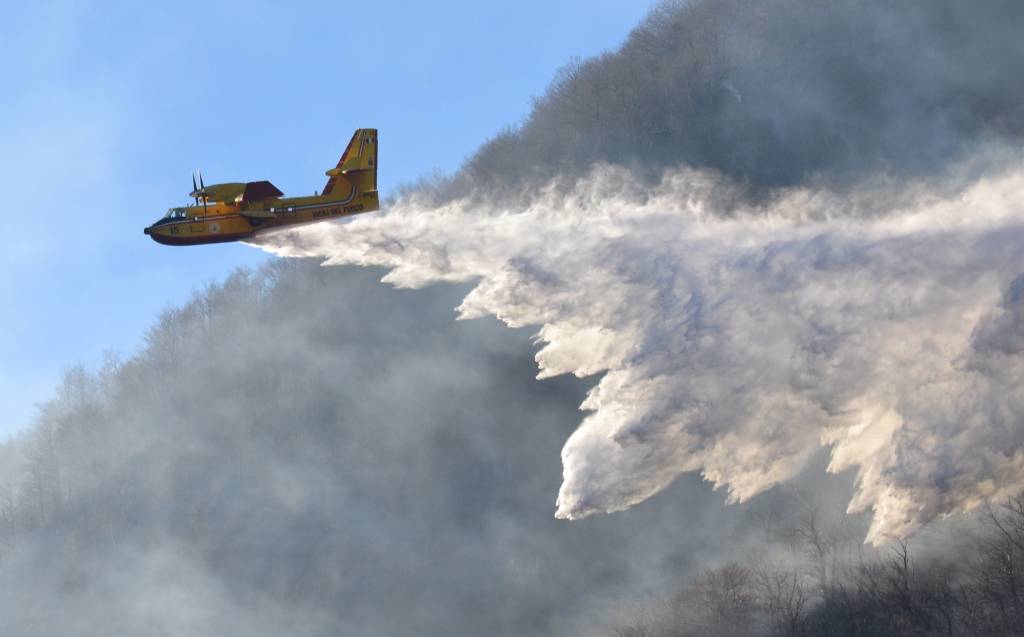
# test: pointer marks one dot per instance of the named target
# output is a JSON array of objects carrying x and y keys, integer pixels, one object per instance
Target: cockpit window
[{"x": 175, "y": 213}]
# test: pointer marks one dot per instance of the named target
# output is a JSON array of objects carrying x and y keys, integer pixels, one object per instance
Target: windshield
[{"x": 176, "y": 213}]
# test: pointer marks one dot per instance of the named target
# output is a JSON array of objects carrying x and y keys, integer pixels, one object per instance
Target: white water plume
[{"x": 887, "y": 325}]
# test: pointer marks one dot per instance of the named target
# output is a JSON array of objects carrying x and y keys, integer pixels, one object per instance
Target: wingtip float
[{"x": 239, "y": 211}]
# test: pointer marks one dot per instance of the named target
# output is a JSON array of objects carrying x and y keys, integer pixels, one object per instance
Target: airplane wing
[
  {"x": 258, "y": 190},
  {"x": 239, "y": 192},
  {"x": 220, "y": 192}
]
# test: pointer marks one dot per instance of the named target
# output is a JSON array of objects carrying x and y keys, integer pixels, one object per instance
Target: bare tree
[
  {"x": 783, "y": 596},
  {"x": 720, "y": 602},
  {"x": 822, "y": 542}
]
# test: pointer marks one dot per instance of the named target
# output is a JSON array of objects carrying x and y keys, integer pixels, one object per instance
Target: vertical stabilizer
[{"x": 357, "y": 166}]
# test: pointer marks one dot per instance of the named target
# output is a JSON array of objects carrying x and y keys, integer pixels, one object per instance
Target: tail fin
[{"x": 357, "y": 166}]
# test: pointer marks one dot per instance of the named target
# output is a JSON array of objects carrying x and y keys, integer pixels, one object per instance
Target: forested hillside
[
  {"x": 963, "y": 580},
  {"x": 773, "y": 94},
  {"x": 305, "y": 451}
]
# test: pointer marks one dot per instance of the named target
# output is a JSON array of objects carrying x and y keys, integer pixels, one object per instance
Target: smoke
[
  {"x": 778, "y": 93},
  {"x": 882, "y": 325},
  {"x": 304, "y": 450}
]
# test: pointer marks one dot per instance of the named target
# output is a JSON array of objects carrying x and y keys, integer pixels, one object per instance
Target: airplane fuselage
[{"x": 221, "y": 222}]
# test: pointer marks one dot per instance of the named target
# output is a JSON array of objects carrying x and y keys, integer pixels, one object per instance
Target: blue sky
[{"x": 109, "y": 106}]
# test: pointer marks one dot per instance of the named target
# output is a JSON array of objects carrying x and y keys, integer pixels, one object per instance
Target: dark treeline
[
  {"x": 966, "y": 581},
  {"x": 774, "y": 93}
]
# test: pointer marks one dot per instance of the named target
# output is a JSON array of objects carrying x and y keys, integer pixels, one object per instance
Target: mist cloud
[{"x": 882, "y": 325}]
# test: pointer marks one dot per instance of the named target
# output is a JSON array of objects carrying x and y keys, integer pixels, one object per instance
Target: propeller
[
  {"x": 202, "y": 188},
  {"x": 195, "y": 194}
]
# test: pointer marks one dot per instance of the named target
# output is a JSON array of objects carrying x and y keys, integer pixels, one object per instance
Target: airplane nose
[{"x": 145, "y": 231}]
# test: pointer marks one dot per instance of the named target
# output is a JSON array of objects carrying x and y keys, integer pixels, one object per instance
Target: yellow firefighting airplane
[{"x": 230, "y": 212}]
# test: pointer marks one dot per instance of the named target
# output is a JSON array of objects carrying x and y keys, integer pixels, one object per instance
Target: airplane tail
[{"x": 356, "y": 172}]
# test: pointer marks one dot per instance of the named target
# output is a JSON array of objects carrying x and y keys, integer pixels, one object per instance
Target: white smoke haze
[{"x": 883, "y": 324}]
